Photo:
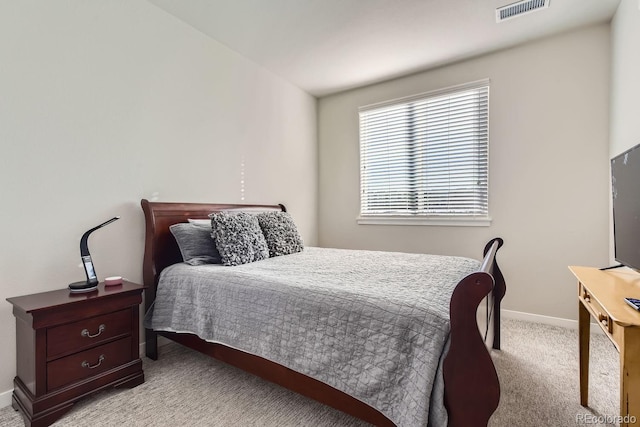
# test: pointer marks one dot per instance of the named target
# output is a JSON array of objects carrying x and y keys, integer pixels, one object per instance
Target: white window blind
[{"x": 426, "y": 156}]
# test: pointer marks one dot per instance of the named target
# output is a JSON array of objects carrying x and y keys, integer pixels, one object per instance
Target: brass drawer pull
[
  {"x": 85, "y": 332},
  {"x": 86, "y": 364}
]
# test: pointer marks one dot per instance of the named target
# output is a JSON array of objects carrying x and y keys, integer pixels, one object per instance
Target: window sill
[{"x": 402, "y": 220}]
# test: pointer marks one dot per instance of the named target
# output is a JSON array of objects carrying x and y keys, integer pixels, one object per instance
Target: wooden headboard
[{"x": 160, "y": 248}]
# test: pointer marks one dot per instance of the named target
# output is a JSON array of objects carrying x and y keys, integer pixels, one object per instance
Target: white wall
[
  {"x": 625, "y": 77},
  {"x": 103, "y": 103},
  {"x": 549, "y": 109}
]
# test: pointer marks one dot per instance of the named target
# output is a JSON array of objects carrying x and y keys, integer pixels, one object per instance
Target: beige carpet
[
  {"x": 538, "y": 372},
  {"x": 539, "y": 378}
]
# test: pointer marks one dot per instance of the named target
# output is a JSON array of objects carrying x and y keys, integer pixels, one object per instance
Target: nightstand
[{"x": 71, "y": 345}]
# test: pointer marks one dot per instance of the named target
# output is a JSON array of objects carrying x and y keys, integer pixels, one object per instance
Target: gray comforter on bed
[{"x": 372, "y": 324}]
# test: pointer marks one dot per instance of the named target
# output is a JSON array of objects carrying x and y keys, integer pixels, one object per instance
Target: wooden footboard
[{"x": 472, "y": 390}]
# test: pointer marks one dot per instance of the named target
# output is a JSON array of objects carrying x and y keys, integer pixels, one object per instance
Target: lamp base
[{"x": 78, "y": 287}]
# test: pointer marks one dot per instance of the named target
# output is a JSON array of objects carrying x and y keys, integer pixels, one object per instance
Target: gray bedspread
[{"x": 372, "y": 324}]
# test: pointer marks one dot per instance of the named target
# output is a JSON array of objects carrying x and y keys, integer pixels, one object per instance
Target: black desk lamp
[{"x": 92, "y": 280}]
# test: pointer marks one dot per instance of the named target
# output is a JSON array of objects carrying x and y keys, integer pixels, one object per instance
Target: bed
[{"x": 378, "y": 366}]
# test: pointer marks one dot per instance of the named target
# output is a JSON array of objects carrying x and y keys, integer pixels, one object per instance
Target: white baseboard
[
  {"x": 538, "y": 318},
  {"x": 5, "y": 397},
  {"x": 545, "y": 320}
]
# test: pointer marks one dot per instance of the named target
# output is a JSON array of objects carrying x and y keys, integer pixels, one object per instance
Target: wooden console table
[{"x": 601, "y": 295}]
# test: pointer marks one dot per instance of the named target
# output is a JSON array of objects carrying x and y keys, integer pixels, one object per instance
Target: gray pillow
[
  {"x": 196, "y": 244},
  {"x": 280, "y": 232},
  {"x": 238, "y": 238}
]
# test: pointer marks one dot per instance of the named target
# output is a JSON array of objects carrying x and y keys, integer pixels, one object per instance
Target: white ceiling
[{"x": 326, "y": 46}]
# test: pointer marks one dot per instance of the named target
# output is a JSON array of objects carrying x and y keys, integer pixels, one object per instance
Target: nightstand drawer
[
  {"x": 597, "y": 311},
  {"x": 73, "y": 337},
  {"x": 88, "y": 363}
]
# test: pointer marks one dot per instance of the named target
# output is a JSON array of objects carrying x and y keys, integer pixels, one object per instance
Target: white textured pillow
[{"x": 238, "y": 238}]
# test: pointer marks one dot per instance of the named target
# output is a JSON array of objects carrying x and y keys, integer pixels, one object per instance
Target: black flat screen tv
[{"x": 625, "y": 187}]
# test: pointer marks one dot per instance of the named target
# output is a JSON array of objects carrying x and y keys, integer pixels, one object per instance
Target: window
[{"x": 425, "y": 158}]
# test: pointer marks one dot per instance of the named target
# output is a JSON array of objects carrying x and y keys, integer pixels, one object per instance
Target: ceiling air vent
[{"x": 520, "y": 8}]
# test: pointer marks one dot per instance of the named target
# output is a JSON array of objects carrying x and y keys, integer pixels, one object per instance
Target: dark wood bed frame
[{"x": 472, "y": 390}]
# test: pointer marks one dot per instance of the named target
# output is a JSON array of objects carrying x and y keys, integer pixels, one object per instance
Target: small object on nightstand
[
  {"x": 82, "y": 287},
  {"x": 635, "y": 303},
  {"x": 91, "y": 283},
  {"x": 113, "y": 280}
]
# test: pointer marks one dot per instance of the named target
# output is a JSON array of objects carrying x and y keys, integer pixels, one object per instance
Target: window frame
[{"x": 422, "y": 218}]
